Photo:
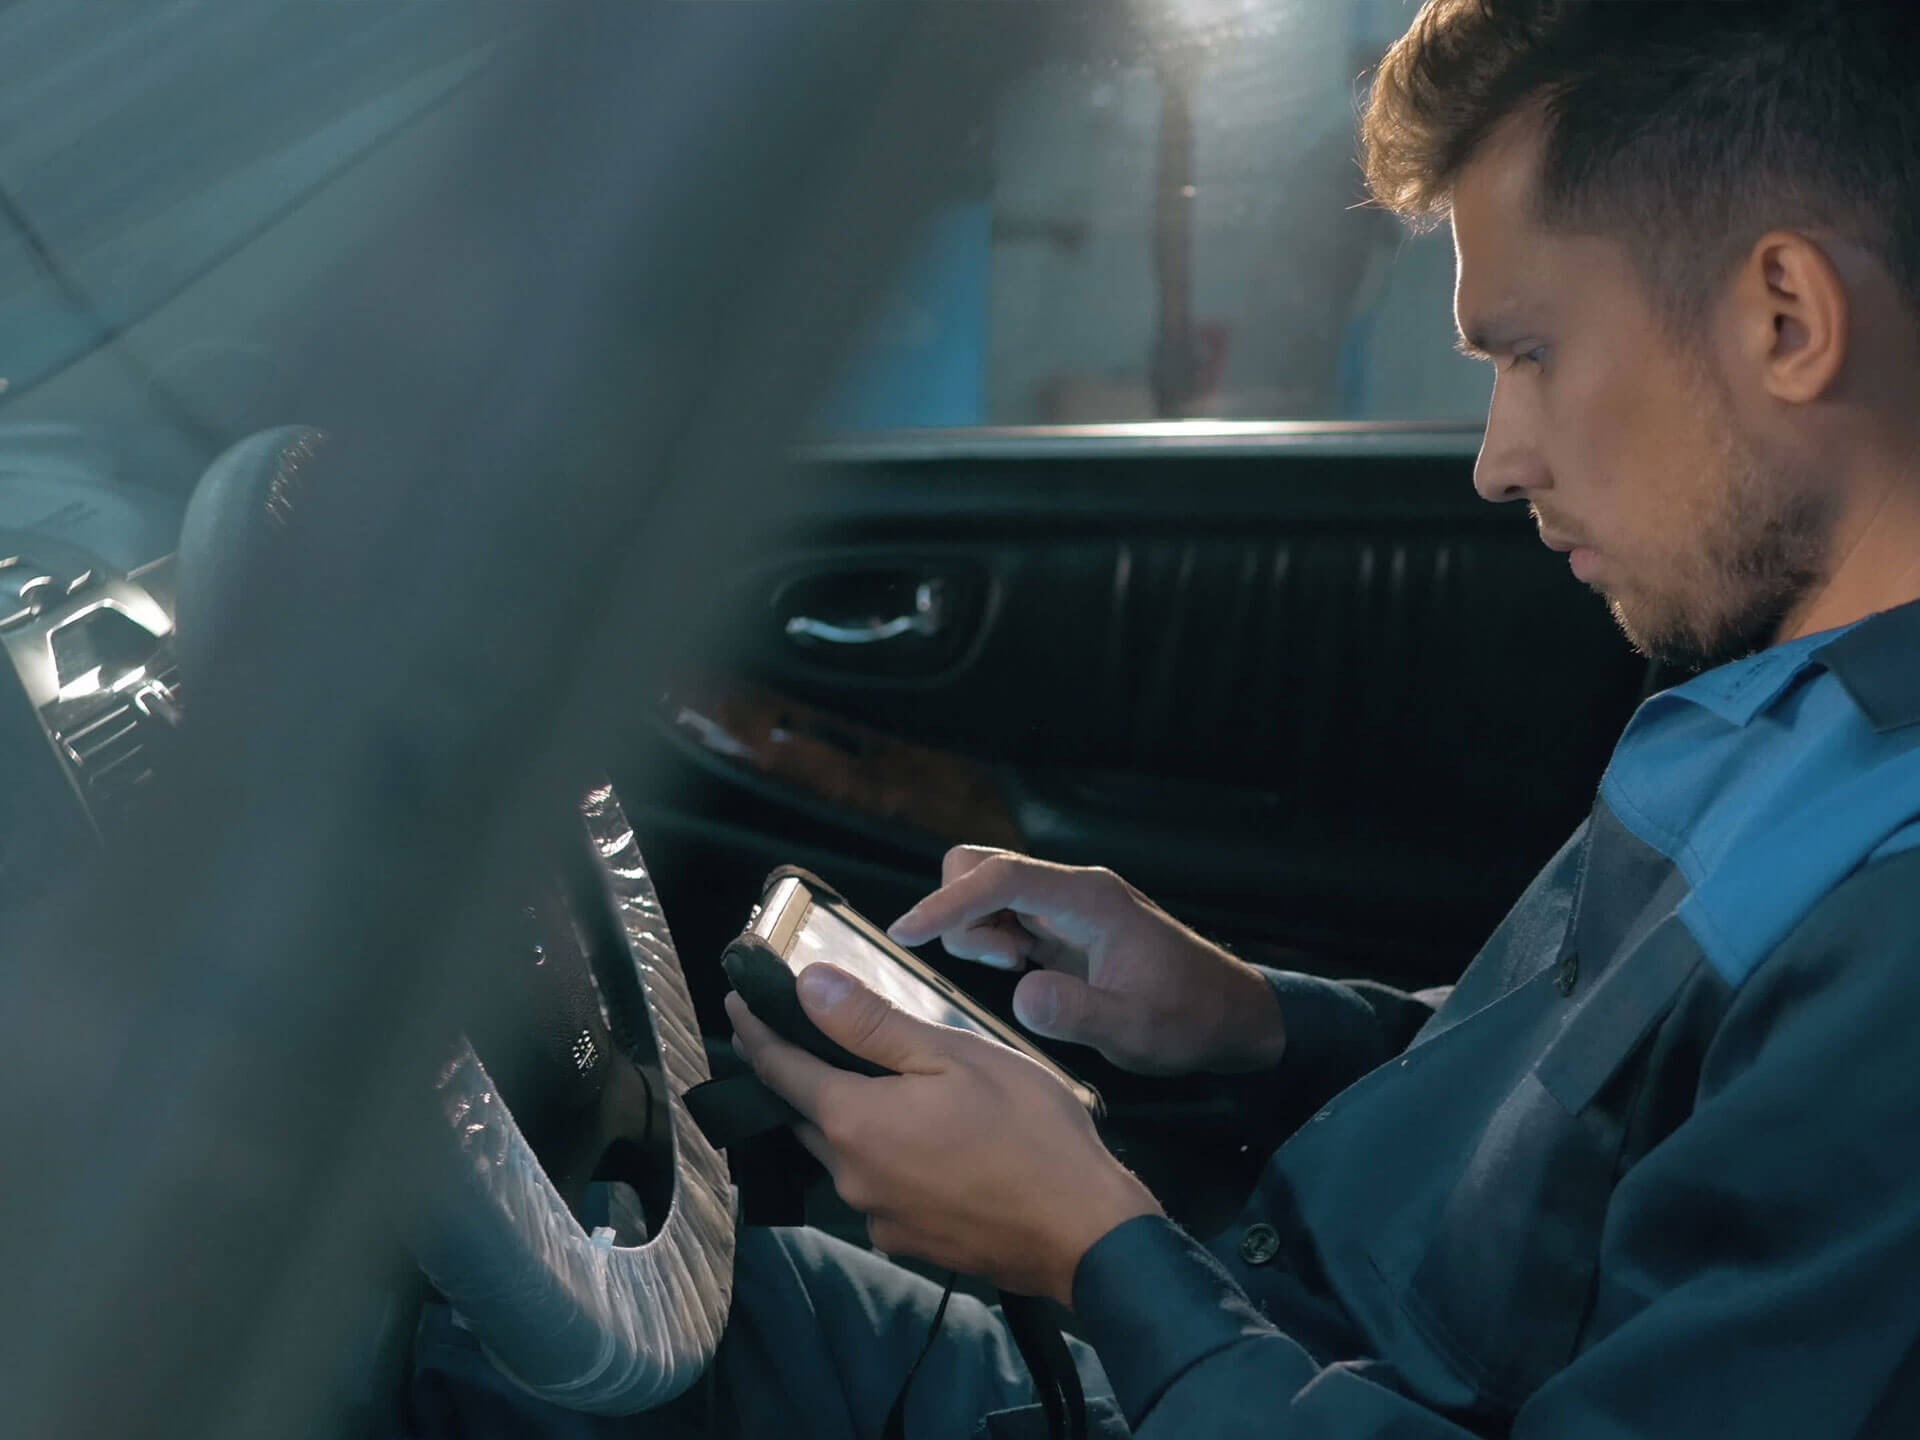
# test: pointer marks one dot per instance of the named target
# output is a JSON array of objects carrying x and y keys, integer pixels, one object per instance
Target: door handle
[{"x": 925, "y": 621}]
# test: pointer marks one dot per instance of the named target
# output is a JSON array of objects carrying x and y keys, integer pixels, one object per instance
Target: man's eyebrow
[{"x": 1473, "y": 346}]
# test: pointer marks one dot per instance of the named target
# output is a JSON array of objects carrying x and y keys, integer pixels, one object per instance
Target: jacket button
[
  {"x": 1260, "y": 1244},
  {"x": 1569, "y": 975}
]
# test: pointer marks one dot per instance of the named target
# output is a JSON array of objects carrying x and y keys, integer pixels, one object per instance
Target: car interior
[{"x": 480, "y": 491}]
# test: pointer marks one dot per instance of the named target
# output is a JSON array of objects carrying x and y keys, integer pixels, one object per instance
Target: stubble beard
[{"x": 1760, "y": 549}]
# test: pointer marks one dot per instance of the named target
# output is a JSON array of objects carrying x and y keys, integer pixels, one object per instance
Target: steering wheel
[{"x": 594, "y": 1045}]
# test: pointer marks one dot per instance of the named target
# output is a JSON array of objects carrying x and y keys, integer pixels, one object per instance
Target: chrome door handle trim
[{"x": 929, "y": 612}]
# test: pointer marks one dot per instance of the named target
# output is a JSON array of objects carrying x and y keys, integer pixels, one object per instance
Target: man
[{"x": 1653, "y": 1168}]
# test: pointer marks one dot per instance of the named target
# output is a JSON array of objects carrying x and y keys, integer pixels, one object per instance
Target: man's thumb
[
  {"x": 855, "y": 1018},
  {"x": 1065, "y": 1007}
]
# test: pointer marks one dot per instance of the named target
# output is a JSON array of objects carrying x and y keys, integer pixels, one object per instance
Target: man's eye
[{"x": 1536, "y": 356}]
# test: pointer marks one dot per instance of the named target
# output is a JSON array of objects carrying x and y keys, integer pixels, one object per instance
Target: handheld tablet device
[{"x": 801, "y": 919}]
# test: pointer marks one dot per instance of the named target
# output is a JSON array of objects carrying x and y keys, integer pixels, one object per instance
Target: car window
[
  {"x": 1166, "y": 220},
  {"x": 140, "y": 144}
]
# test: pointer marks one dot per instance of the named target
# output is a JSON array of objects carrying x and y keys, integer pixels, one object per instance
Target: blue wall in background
[{"x": 924, "y": 361}]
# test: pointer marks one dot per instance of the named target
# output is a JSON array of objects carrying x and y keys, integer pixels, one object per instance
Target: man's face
[{"x": 1622, "y": 440}]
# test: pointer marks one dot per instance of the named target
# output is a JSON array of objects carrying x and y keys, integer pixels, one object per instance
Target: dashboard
[{"x": 92, "y": 696}]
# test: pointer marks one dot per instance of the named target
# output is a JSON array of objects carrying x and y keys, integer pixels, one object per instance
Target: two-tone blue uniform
[{"x": 1652, "y": 1169}]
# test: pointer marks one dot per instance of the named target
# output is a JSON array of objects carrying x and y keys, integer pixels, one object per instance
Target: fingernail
[
  {"x": 900, "y": 927},
  {"x": 823, "y": 987}
]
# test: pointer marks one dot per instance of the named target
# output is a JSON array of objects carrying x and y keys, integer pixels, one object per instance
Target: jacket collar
[{"x": 1876, "y": 661}]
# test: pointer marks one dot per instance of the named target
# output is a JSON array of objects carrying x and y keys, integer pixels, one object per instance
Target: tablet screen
[
  {"x": 825, "y": 936},
  {"x": 792, "y": 923}
]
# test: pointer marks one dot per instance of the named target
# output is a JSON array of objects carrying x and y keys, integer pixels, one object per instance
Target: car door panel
[{"x": 1325, "y": 701}]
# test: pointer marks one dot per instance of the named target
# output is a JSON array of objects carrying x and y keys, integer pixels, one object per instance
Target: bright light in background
[
  {"x": 1177, "y": 26},
  {"x": 1166, "y": 222},
  {"x": 1202, "y": 14}
]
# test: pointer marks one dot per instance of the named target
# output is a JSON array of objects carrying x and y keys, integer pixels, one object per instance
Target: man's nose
[
  {"x": 1498, "y": 480},
  {"x": 1510, "y": 466}
]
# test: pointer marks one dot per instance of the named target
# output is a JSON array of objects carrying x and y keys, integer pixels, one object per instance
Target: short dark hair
[{"x": 1685, "y": 128}]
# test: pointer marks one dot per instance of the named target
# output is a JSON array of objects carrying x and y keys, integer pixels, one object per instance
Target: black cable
[
  {"x": 896, "y": 1426},
  {"x": 1056, "y": 1380},
  {"x": 1028, "y": 1330},
  {"x": 1066, "y": 1374}
]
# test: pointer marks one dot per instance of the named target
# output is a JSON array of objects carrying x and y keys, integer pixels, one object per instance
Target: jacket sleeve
[
  {"x": 1757, "y": 1270},
  {"x": 1337, "y": 1030}
]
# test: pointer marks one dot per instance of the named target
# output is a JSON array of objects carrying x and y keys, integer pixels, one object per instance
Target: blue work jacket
[{"x": 1651, "y": 1169}]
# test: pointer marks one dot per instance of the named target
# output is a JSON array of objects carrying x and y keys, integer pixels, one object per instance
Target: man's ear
[{"x": 1793, "y": 316}]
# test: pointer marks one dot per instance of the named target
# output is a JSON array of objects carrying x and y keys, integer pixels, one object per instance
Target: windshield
[
  {"x": 1166, "y": 220},
  {"x": 141, "y": 144},
  {"x": 1162, "y": 219}
]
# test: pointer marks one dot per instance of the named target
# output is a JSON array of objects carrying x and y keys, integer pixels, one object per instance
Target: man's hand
[
  {"x": 972, "y": 1157},
  {"x": 1115, "y": 970}
]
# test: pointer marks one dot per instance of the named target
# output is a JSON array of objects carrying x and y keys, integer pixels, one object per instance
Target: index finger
[
  {"x": 963, "y": 858},
  {"x": 1001, "y": 881}
]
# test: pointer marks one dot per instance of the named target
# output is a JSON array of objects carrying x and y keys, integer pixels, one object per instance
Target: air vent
[{"x": 112, "y": 753}]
